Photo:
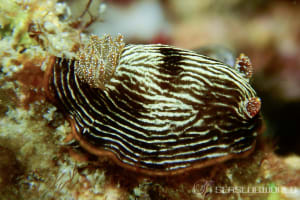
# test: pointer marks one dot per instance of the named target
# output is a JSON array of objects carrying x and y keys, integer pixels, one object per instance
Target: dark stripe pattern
[{"x": 164, "y": 109}]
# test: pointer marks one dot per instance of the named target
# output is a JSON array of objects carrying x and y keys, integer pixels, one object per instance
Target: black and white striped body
[{"x": 164, "y": 109}]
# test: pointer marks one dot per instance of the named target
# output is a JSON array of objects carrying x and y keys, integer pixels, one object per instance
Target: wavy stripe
[{"x": 163, "y": 109}]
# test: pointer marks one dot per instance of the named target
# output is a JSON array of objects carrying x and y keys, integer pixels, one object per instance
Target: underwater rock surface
[{"x": 37, "y": 159}]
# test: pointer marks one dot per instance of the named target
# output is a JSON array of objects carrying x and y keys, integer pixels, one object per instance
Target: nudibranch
[{"x": 156, "y": 109}]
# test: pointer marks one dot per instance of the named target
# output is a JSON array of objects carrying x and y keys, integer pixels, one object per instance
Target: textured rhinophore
[{"x": 157, "y": 109}]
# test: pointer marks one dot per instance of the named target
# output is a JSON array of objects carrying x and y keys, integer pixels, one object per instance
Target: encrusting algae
[
  {"x": 31, "y": 130},
  {"x": 38, "y": 160}
]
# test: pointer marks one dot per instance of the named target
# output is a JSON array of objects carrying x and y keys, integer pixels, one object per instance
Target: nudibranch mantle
[{"x": 157, "y": 109}]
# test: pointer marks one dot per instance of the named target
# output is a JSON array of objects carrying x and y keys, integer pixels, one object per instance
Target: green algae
[{"x": 15, "y": 22}]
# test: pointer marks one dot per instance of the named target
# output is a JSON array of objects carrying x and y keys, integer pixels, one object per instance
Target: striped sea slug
[{"x": 157, "y": 109}]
